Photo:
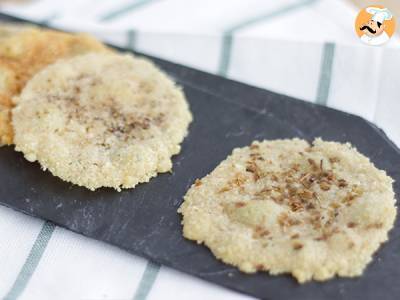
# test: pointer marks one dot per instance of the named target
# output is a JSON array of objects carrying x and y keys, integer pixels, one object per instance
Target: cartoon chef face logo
[{"x": 375, "y": 25}]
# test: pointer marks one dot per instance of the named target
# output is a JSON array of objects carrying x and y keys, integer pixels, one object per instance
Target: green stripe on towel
[
  {"x": 227, "y": 39},
  {"x": 32, "y": 261},
  {"x": 131, "y": 40},
  {"x": 146, "y": 282},
  {"x": 325, "y": 76},
  {"x": 125, "y": 9}
]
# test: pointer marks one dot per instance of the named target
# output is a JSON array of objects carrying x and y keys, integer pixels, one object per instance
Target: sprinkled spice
[
  {"x": 239, "y": 180},
  {"x": 353, "y": 194},
  {"x": 342, "y": 183},
  {"x": 310, "y": 206},
  {"x": 374, "y": 226},
  {"x": 197, "y": 182},
  {"x": 351, "y": 224},
  {"x": 259, "y": 267},
  {"x": 261, "y": 232},
  {"x": 323, "y": 237},
  {"x": 296, "y": 167},
  {"x": 328, "y": 175},
  {"x": 224, "y": 189},
  {"x": 263, "y": 192},
  {"x": 295, "y": 236},
  {"x": 297, "y": 246},
  {"x": 296, "y": 206},
  {"x": 308, "y": 179},
  {"x": 285, "y": 221},
  {"x": 305, "y": 194},
  {"x": 334, "y": 205},
  {"x": 325, "y": 186},
  {"x": 253, "y": 168}
]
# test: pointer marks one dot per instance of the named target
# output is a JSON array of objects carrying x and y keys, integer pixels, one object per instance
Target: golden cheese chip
[
  {"x": 101, "y": 120},
  {"x": 25, "y": 50},
  {"x": 286, "y": 206}
]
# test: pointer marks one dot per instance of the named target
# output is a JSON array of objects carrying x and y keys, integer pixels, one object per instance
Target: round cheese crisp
[
  {"x": 286, "y": 206},
  {"x": 25, "y": 50},
  {"x": 101, "y": 120}
]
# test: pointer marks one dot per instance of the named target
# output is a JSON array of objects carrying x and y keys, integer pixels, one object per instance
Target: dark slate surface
[{"x": 144, "y": 221}]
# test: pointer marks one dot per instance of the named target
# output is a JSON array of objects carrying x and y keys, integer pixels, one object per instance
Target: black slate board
[{"x": 144, "y": 221}]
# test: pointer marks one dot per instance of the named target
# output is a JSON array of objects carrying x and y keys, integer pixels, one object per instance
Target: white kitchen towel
[{"x": 302, "y": 48}]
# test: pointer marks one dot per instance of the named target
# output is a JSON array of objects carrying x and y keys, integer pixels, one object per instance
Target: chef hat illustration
[{"x": 379, "y": 14}]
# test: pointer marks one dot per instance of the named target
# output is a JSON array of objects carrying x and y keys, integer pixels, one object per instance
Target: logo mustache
[{"x": 368, "y": 28}]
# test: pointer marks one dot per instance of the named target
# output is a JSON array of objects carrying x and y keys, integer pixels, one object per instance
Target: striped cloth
[{"x": 303, "y": 48}]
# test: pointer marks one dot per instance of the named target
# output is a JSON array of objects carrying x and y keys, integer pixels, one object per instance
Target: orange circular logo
[{"x": 375, "y": 25}]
